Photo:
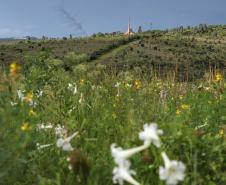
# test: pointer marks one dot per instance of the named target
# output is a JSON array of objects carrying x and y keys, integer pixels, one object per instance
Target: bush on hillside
[{"x": 72, "y": 58}]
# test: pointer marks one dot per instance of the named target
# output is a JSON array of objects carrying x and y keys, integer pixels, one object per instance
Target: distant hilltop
[{"x": 17, "y": 38}]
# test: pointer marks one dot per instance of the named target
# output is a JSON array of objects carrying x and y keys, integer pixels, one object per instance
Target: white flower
[
  {"x": 60, "y": 131},
  {"x": 65, "y": 144},
  {"x": 123, "y": 173},
  {"x": 201, "y": 126},
  {"x": 151, "y": 134},
  {"x": 72, "y": 109},
  {"x": 43, "y": 126},
  {"x": 13, "y": 103},
  {"x": 40, "y": 147},
  {"x": 73, "y": 88},
  {"x": 39, "y": 93},
  {"x": 20, "y": 95},
  {"x": 128, "y": 85},
  {"x": 117, "y": 84},
  {"x": 172, "y": 172},
  {"x": 121, "y": 155},
  {"x": 70, "y": 167},
  {"x": 81, "y": 100}
]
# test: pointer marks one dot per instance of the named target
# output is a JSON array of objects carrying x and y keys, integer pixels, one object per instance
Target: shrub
[{"x": 72, "y": 58}]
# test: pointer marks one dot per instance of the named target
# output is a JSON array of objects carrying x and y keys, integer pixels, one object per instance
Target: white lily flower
[
  {"x": 65, "y": 144},
  {"x": 73, "y": 88},
  {"x": 151, "y": 134},
  {"x": 173, "y": 171},
  {"x": 40, "y": 147},
  {"x": 81, "y": 100},
  {"x": 117, "y": 84},
  {"x": 121, "y": 155},
  {"x": 13, "y": 103},
  {"x": 123, "y": 173},
  {"x": 39, "y": 93},
  {"x": 20, "y": 95}
]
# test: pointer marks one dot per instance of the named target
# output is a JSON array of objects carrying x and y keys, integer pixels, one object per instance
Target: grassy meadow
[{"x": 105, "y": 100}]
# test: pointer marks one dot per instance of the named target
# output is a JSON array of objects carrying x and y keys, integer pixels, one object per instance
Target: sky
[{"x": 58, "y": 18}]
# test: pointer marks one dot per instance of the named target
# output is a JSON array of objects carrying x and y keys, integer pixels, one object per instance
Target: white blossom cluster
[
  {"x": 172, "y": 172},
  {"x": 73, "y": 88},
  {"x": 62, "y": 142}
]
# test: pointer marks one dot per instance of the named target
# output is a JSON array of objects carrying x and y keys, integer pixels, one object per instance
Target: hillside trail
[{"x": 114, "y": 51}]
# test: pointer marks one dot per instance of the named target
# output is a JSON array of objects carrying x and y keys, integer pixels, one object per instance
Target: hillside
[{"x": 187, "y": 54}]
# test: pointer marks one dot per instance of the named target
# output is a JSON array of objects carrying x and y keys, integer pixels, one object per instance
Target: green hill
[{"x": 184, "y": 53}]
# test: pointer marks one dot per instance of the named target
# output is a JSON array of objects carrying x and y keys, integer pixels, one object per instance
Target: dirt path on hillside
[{"x": 113, "y": 52}]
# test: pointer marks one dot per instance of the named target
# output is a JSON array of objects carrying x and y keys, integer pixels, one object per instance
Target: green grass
[
  {"x": 109, "y": 115},
  {"x": 166, "y": 77}
]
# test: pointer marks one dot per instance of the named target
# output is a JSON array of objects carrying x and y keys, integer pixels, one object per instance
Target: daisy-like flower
[
  {"x": 120, "y": 155},
  {"x": 123, "y": 173},
  {"x": 172, "y": 172},
  {"x": 151, "y": 134},
  {"x": 65, "y": 144}
]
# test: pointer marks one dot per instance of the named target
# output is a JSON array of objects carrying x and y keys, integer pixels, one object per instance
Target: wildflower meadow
[{"x": 88, "y": 126}]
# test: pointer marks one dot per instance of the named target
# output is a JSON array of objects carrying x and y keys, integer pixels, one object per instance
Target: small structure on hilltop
[
  {"x": 129, "y": 31},
  {"x": 139, "y": 29}
]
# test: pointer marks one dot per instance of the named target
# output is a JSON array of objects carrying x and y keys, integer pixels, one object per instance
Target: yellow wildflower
[
  {"x": 25, "y": 127},
  {"x": 180, "y": 97},
  {"x": 221, "y": 132},
  {"x": 178, "y": 111},
  {"x": 14, "y": 68},
  {"x": 28, "y": 97},
  {"x": 137, "y": 84},
  {"x": 218, "y": 77},
  {"x": 185, "y": 106},
  {"x": 32, "y": 113},
  {"x": 82, "y": 81}
]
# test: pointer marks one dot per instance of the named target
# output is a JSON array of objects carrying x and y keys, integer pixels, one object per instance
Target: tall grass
[{"x": 192, "y": 115}]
